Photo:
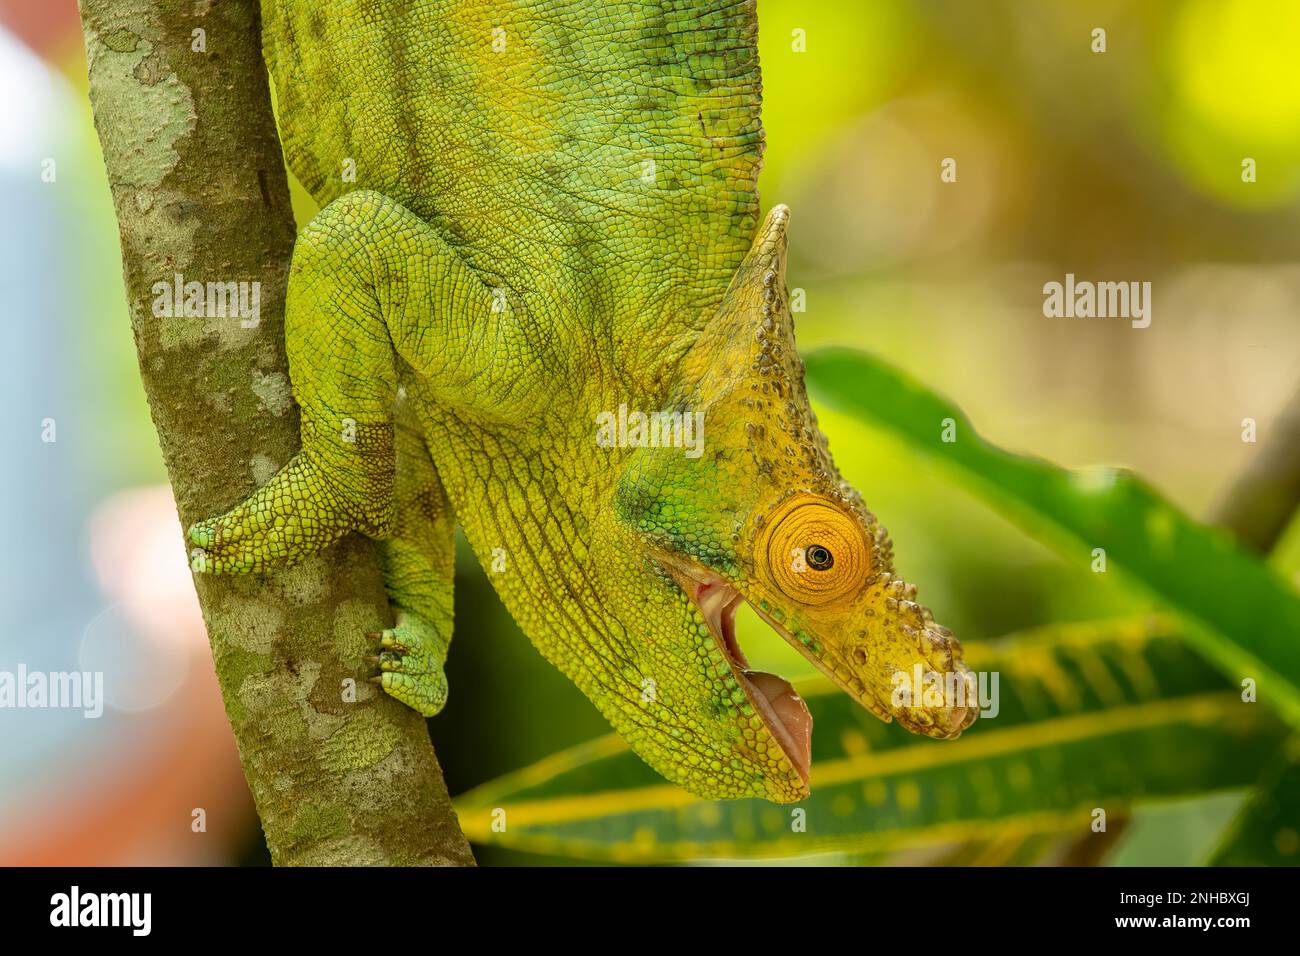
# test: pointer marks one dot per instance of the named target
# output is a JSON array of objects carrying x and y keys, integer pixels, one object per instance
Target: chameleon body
[{"x": 554, "y": 216}]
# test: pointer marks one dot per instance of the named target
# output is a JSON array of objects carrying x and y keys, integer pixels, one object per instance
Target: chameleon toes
[
  {"x": 411, "y": 665},
  {"x": 299, "y": 512},
  {"x": 224, "y": 546},
  {"x": 244, "y": 539}
]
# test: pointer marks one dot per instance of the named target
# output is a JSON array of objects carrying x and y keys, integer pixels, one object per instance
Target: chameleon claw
[
  {"x": 390, "y": 643},
  {"x": 412, "y": 655}
]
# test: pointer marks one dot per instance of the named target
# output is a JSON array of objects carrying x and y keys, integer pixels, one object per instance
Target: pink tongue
[{"x": 790, "y": 712}]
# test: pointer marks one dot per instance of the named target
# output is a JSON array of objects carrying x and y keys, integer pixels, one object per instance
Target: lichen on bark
[{"x": 340, "y": 773}]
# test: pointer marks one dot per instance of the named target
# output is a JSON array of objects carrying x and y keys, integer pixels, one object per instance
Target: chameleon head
[{"x": 761, "y": 515}]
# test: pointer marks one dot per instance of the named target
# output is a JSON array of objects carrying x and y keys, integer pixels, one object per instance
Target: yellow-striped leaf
[{"x": 1091, "y": 718}]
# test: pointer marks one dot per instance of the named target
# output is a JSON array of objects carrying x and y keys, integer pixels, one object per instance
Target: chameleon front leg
[
  {"x": 370, "y": 282},
  {"x": 419, "y": 567}
]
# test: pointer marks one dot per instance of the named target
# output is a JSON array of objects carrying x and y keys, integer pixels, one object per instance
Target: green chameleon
[{"x": 535, "y": 215}]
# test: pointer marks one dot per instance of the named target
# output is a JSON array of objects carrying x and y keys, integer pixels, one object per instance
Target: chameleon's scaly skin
[{"x": 507, "y": 261}]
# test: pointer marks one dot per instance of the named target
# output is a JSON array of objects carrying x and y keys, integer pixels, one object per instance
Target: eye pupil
[{"x": 818, "y": 557}]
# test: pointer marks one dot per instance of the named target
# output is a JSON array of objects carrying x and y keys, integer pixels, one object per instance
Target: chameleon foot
[
  {"x": 410, "y": 662},
  {"x": 299, "y": 512}
]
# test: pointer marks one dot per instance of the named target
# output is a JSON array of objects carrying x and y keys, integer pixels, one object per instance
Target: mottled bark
[{"x": 199, "y": 186}]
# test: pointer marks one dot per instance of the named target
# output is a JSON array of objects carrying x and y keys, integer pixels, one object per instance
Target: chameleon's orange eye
[{"x": 815, "y": 552}]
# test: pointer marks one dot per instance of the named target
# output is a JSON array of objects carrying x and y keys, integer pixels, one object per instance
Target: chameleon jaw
[{"x": 774, "y": 699}]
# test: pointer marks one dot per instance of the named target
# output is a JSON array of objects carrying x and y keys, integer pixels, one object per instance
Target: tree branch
[
  {"x": 1261, "y": 502},
  {"x": 189, "y": 142}
]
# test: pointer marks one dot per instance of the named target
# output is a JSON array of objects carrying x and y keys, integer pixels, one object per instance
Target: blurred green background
[{"x": 1123, "y": 165}]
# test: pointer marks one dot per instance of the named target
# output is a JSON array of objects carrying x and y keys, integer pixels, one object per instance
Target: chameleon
[{"x": 534, "y": 213}]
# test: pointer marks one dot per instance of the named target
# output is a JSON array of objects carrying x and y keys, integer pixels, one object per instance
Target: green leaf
[
  {"x": 1237, "y": 610},
  {"x": 1267, "y": 832},
  {"x": 1091, "y": 716}
]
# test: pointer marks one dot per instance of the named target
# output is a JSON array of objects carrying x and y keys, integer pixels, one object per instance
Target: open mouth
[{"x": 783, "y": 711}]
